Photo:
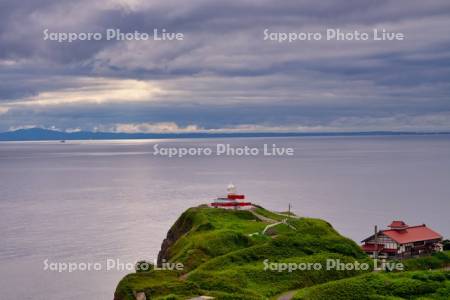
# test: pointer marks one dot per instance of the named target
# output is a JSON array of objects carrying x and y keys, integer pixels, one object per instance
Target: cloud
[
  {"x": 224, "y": 75},
  {"x": 14, "y": 128},
  {"x": 87, "y": 90},
  {"x": 164, "y": 127},
  {"x": 429, "y": 122},
  {"x": 3, "y": 110}
]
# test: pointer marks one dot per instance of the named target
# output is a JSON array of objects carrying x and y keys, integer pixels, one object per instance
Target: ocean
[{"x": 107, "y": 204}]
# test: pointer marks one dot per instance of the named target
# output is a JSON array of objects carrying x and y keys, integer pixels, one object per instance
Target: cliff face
[
  {"x": 181, "y": 227},
  {"x": 223, "y": 254}
]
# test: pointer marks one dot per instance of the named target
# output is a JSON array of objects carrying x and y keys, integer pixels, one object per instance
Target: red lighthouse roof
[{"x": 235, "y": 197}]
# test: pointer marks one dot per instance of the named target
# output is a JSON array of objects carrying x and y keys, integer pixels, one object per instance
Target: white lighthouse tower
[{"x": 231, "y": 189}]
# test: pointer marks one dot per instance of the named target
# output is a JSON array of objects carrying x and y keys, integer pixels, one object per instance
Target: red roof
[
  {"x": 398, "y": 224},
  {"x": 412, "y": 234},
  {"x": 234, "y": 196},
  {"x": 231, "y": 203}
]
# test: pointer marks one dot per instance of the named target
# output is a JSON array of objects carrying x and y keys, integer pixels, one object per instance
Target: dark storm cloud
[{"x": 224, "y": 74}]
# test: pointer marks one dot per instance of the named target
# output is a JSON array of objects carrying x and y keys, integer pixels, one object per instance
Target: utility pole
[{"x": 375, "y": 252}]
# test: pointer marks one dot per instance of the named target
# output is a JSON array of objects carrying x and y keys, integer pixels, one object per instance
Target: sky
[{"x": 224, "y": 75}]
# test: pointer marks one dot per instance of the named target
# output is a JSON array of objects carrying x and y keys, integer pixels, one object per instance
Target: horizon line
[{"x": 52, "y": 134}]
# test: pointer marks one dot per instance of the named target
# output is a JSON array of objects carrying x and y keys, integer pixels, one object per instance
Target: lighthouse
[
  {"x": 233, "y": 200},
  {"x": 231, "y": 189}
]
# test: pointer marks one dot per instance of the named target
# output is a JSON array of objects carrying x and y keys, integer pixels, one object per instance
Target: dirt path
[
  {"x": 287, "y": 295},
  {"x": 271, "y": 222},
  {"x": 263, "y": 218}
]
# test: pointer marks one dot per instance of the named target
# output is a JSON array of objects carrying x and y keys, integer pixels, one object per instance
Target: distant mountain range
[{"x": 40, "y": 134}]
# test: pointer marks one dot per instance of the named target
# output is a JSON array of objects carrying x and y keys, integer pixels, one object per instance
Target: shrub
[
  {"x": 446, "y": 244},
  {"x": 144, "y": 266},
  {"x": 406, "y": 287},
  {"x": 409, "y": 285}
]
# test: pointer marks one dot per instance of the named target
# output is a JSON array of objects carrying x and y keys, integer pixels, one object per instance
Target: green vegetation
[
  {"x": 435, "y": 261},
  {"x": 402, "y": 285},
  {"x": 268, "y": 214},
  {"x": 224, "y": 258},
  {"x": 446, "y": 244}
]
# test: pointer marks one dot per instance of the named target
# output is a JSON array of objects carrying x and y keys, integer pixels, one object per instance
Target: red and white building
[
  {"x": 402, "y": 240},
  {"x": 232, "y": 201}
]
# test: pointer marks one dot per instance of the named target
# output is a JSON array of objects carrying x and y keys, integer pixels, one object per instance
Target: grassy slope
[
  {"x": 413, "y": 284},
  {"x": 222, "y": 260},
  {"x": 402, "y": 285},
  {"x": 435, "y": 261}
]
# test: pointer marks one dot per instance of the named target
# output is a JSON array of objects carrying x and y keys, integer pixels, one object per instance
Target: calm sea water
[{"x": 89, "y": 201}]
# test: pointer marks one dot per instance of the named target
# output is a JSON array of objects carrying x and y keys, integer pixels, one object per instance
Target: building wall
[{"x": 385, "y": 240}]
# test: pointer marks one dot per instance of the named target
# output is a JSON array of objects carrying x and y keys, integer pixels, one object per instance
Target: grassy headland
[
  {"x": 223, "y": 253},
  {"x": 225, "y": 256}
]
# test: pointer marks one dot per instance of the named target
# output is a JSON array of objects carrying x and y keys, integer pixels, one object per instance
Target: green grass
[
  {"x": 223, "y": 261},
  {"x": 253, "y": 277},
  {"x": 434, "y": 261},
  {"x": 213, "y": 232},
  {"x": 402, "y": 285},
  {"x": 155, "y": 284},
  {"x": 268, "y": 214}
]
